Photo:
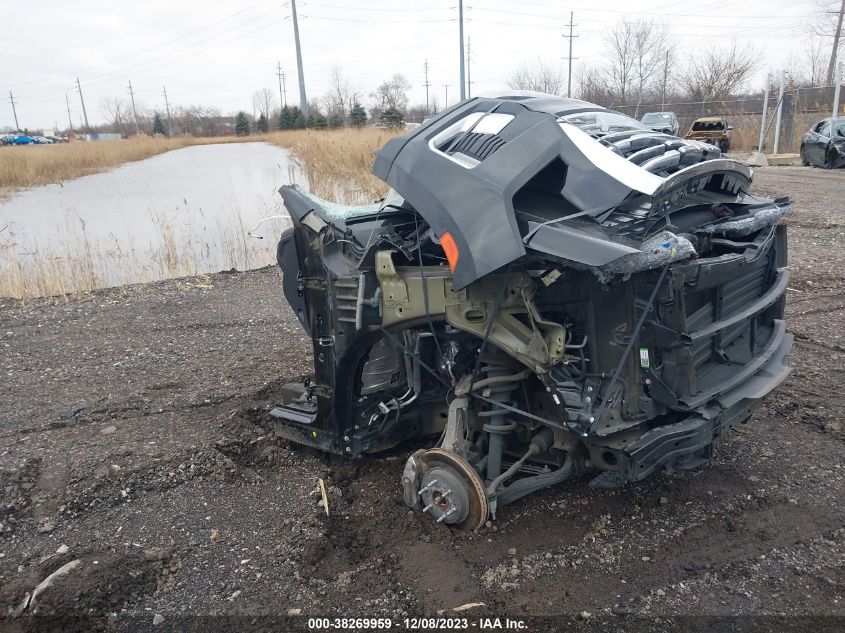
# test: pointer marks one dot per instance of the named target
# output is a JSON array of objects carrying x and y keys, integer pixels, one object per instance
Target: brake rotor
[{"x": 451, "y": 491}]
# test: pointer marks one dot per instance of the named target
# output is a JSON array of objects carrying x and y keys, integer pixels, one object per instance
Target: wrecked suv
[
  {"x": 713, "y": 130},
  {"x": 549, "y": 290}
]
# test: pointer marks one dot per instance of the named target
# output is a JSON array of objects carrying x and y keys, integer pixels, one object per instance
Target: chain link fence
[{"x": 802, "y": 107}]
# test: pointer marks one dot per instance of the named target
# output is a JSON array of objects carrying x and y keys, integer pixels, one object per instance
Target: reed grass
[
  {"x": 32, "y": 165},
  {"x": 182, "y": 248},
  {"x": 338, "y": 163}
]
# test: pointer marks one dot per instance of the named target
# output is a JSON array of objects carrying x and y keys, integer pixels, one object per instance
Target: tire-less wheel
[
  {"x": 804, "y": 160},
  {"x": 451, "y": 491}
]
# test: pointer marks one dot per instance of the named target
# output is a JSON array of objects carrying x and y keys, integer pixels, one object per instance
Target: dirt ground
[{"x": 133, "y": 440}]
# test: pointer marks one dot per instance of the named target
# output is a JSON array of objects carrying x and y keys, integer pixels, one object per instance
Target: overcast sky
[{"x": 218, "y": 53}]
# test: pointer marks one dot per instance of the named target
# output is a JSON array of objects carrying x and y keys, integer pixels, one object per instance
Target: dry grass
[
  {"x": 338, "y": 162},
  {"x": 29, "y": 166}
]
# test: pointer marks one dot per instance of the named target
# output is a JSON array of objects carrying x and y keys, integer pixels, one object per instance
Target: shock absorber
[{"x": 503, "y": 383}]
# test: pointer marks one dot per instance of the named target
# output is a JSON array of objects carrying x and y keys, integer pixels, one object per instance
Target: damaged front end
[{"x": 549, "y": 289}]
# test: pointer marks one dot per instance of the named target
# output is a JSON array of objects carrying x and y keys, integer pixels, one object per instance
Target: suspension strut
[{"x": 497, "y": 424}]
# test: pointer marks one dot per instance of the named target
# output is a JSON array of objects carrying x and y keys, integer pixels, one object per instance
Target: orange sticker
[{"x": 450, "y": 248}]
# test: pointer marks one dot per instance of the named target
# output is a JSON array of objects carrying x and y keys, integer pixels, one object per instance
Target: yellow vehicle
[{"x": 713, "y": 130}]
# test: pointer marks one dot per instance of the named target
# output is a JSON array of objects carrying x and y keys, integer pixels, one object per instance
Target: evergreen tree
[
  {"x": 335, "y": 120},
  {"x": 317, "y": 120},
  {"x": 262, "y": 124},
  {"x": 241, "y": 124},
  {"x": 285, "y": 119},
  {"x": 298, "y": 118},
  {"x": 158, "y": 125},
  {"x": 357, "y": 115},
  {"x": 392, "y": 117}
]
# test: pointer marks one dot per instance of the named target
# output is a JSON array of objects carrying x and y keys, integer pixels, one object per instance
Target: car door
[{"x": 816, "y": 143}]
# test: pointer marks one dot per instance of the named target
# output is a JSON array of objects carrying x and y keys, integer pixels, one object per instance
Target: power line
[
  {"x": 371, "y": 21},
  {"x": 14, "y": 111},
  {"x": 378, "y": 9},
  {"x": 657, "y": 13},
  {"x": 570, "y": 37},
  {"x": 603, "y": 21},
  {"x": 113, "y": 61}
]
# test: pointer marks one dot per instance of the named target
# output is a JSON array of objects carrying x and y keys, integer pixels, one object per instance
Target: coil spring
[
  {"x": 500, "y": 392},
  {"x": 497, "y": 425}
]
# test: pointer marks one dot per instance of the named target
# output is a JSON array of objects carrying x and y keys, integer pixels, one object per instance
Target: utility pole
[
  {"x": 461, "y": 36},
  {"x": 779, "y": 111},
  {"x": 82, "y": 100},
  {"x": 69, "y": 119},
  {"x": 839, "y": 78},
  {"x": 167, "y": 107},
  {"x": 666, "y": 79},
  {"x": 134, "y": 111},
  {"x": 427, "y": 83},
  {"x": 303, "y": 100},
  {"x": 570, "y": 37},
  {"x": 763, "y": 128},
  {"x": 469, "y": 61},
  {"x": 446, "y": 105},
  {"x": 283, "y": 92},
  {"x": 15, "y": 112},
  {"x": 835, "y": 51}
]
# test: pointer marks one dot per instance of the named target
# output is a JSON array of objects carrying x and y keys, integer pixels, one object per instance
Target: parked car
[
  {"x": 20, "y": 139},
  {"x": 824, "y": 145},
  {"x": 665, "y": 122},
  {"x": 711, "y": 129},
  {"x": 41, "y": 140}
]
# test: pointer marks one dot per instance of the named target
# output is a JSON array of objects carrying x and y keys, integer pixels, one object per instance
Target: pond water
[{"x": 183, "y": 212}]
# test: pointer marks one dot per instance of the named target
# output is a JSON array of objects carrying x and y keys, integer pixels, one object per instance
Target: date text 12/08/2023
[{"x": 413, "y": 624}]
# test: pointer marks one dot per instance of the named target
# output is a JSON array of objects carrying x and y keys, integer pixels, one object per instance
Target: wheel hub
[
  {"x": 444, "y": 496},
  {"x": 451, "y": 490}
]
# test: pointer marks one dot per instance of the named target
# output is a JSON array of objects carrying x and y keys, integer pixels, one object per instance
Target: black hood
[{"x": 487, "y": 168}]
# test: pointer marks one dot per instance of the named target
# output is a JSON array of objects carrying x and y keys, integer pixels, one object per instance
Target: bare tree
[
  {"x": 392, "y": 94},
  {"x": 341, "y": 93},
  {"x": 196, "y": 120},
  {"x": 808, "y": 67},
  {"x": 593, "y": 86},
  {"x": 116, "y": 111},
  {"x": 540, "y": 77},
  {"x": 636, "y": 50},
  {"x": 717, "y": 73},
  {"x": 264, "y": 101}
]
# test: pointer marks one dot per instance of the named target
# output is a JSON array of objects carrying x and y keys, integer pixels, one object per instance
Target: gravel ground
[{"x": 133, "y": 440}]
